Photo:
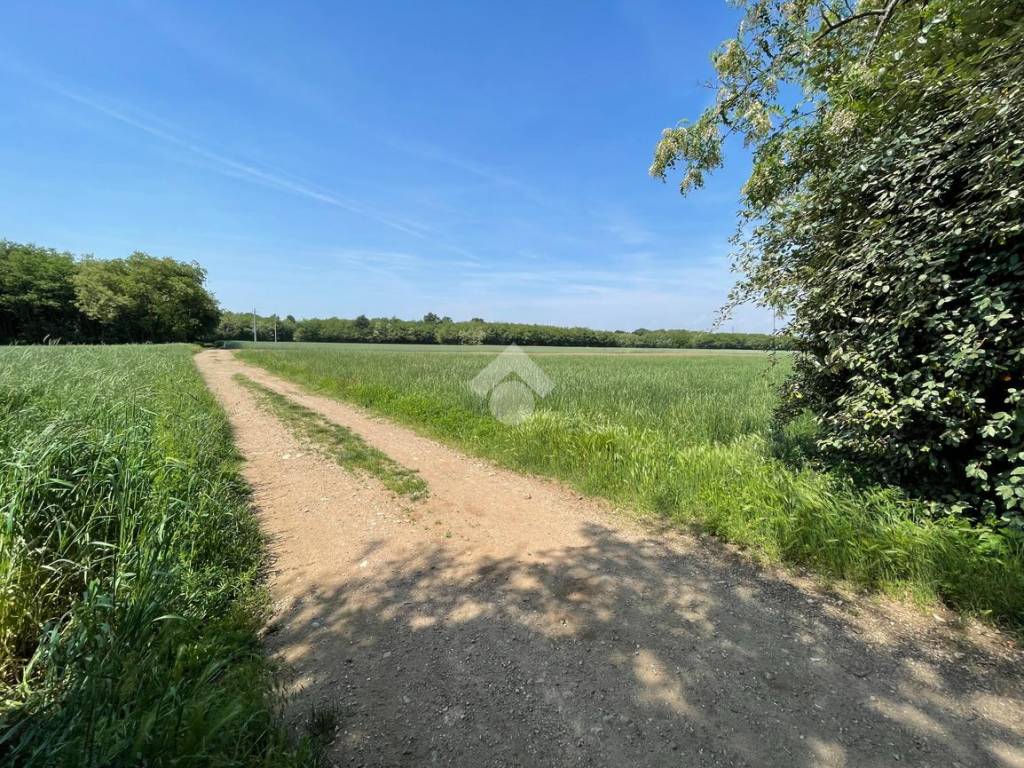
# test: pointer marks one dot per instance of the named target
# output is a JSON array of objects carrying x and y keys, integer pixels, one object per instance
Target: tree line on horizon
[
  {"x": 434, "y": 329},
  {"x": 51, "y": 297}
]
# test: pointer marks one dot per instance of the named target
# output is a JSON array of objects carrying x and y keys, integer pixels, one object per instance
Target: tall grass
[
  {"x": 129, "y": 565},
  {"x": 687, "y": 437}
]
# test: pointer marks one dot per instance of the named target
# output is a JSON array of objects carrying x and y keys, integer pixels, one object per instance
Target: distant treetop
[
  {"x": 48, "y": 296},
  {"x": 443, "y": 330}
]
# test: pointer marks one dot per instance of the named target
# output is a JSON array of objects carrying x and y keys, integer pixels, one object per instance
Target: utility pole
[
  {"x": 275, "y": 329},
  {"x": 254, "y": 325}
]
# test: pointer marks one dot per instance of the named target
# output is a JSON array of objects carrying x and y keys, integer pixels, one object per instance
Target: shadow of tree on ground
[{"x": 683, "y": 658}]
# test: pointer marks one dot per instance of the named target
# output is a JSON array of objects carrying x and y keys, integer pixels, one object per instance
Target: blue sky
[{"x": 387, "y": 158}]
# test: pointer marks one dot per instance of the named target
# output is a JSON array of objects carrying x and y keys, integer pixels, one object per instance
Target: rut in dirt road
[{"x": 507, "y": 621}]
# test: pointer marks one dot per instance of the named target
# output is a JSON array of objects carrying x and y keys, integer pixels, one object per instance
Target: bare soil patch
[{"x": 507, "y": 621}]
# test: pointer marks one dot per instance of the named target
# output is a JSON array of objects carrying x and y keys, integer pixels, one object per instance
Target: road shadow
[{"x": 629, "y": 653}]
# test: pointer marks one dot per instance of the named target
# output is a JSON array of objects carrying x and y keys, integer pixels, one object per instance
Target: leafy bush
[{"x": 885, "y": 212}]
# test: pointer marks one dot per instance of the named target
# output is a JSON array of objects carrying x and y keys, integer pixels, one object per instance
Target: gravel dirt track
[{"x": 507, "y": 621}]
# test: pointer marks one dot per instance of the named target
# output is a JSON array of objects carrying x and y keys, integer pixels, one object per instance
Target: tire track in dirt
[{"x": 507, "y": 621}]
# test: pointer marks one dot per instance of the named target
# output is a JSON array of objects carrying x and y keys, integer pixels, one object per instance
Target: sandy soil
[{"x": 507, "y": 621}]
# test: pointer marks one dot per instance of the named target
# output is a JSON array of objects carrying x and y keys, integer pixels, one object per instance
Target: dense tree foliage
[
  {"x": 37, "y": 295},
  {"x": 144, "y": 298},
  {"x": 884, "y": 213},
  {"x": 46, "y": 296},
  {"x": 434, "y": 329},
  {"x": 51, "y": 296}
]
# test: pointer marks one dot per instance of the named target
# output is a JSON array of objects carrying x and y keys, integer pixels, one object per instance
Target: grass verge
[
  {"x": 130, "y": 566},
  {"x": 339, "y": 443},
  {"x": 688, "y": 438}
]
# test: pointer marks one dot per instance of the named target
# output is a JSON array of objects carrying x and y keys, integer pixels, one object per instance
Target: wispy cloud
[
  {"x": 199, "y": 43},
  {"x": 625, "y": 228},
  {"x": 423, "y": 151},
  {"x": 231, "y": 167},
  {"x": 246, "y": 171}
]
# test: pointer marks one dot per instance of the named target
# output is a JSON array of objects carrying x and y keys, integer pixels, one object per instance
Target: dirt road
[{"x": 506, "y": 621}]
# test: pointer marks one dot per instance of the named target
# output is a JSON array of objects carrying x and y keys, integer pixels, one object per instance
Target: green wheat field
[
  {"x": 131, "y": 562},
  {"x": 684, "y": 435}
]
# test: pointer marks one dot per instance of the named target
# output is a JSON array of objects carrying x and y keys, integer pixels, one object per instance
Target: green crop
[{"x": 686, "y": 436}]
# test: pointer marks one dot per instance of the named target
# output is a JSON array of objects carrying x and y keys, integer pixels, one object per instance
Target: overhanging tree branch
[
  {"x": 886, "y": 15},
  {"x": 832, "y": 27}
]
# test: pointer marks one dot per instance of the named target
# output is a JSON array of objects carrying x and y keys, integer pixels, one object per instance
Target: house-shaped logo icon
[{"x": 511, "y": 383}]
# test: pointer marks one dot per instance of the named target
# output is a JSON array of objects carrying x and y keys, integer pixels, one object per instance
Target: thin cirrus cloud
[
  {"x": 196, "y": 41},
  {"x": 252, "y": 173},
  {"x": 431, "y": 153},
  {"x": 408, "y": 280},
  {"x": 619, "y": 224}
]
